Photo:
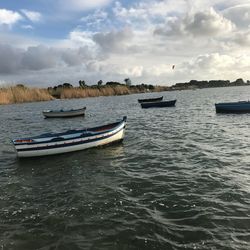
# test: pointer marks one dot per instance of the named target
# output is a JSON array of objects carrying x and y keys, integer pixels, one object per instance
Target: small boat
[
  {"x": 158, "y": 104},
  {"x": 233, "y": 107},
  {"x": 64, "y": 113},
  {"x": 157, "y": 99},
  {"x": 71, "y": 140}
]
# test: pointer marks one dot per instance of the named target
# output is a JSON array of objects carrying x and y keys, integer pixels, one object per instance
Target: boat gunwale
[
  {"x": 84, "y": 133},
  {"x": 62, "y": 144},
  {"x": 154, "y": 104},
  {"x": 232, "y": 103},
  {"x": 63, "y": 111},
  {"x": 150, "y": 99}
]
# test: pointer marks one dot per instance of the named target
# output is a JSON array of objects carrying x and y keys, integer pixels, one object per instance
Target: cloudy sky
[{"x": 48, "y": 42}]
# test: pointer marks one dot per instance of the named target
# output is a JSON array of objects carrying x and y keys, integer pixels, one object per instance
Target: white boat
[
  {"x": 64, "y": 113},
  {"x": 71, "y": 140}
]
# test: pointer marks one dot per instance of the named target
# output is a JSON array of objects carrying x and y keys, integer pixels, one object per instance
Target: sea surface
[{"x": 179, "y": 180}]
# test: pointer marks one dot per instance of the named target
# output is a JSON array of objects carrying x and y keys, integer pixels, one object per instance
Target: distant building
[{"x": 127, "y": 81}]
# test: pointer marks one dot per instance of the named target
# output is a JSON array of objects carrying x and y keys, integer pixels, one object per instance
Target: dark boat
[
  {"x": 158, "y": 104},
  {"x": 64, "y": 113},
  {"x": 157, "y": 99},
  {"x": 233, "y": 107}
]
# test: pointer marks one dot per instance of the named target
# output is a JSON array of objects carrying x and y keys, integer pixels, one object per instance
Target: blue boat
[
  {"x": 233, "y": 107},
  {"x": 158, "y": 104}
]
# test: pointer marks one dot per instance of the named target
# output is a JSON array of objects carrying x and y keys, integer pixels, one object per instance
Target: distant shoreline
[
  {"x": 22, "y": 94},
  {"x": 194, "y": 84}
]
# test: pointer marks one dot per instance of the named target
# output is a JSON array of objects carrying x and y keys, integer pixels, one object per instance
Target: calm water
[{"x": 179, "y": 180}]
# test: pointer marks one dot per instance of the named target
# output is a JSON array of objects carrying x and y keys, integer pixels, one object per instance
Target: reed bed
[
  {"x": 21, "y": 94},
  {"x": 93, "y": 92}
]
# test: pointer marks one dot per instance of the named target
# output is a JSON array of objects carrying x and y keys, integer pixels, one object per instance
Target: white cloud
[
  {"x": 242, "y": 38},
  {"x": 96, "y": 20},
  {"x": 81, "y": 38},
  {"x": 9, "y": 18},
  {"x": 161, "y": 69},
  {"x": 73, "y": 57},
  {"x": 173, "y": 27},
  {"x": 27, "y": 27},
  {"x": 114, "y": 41},
  {"x": 20, "y": 41},
  {"x": 217, "y": 66},
  {"x": 135, "y": 71},
  {"x": 96, "y": 17},
  {"x": 37, "y": 58},
  {"x": 10, "y": 59},
  {"x": 206, "y": 23},
  {"x": 32, "y": 15},
  {"x": 50, "y": 65},
  {"x": 214, "y": 61},
  {"x": 149, "y": 9},
  {"x": 83, "y": 5},
  {"x": 239, "y": 14},
  {"x": 204, "y": 39}
]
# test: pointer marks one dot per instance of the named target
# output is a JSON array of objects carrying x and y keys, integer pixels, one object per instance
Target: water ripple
[{"x": 179, "y": 180}]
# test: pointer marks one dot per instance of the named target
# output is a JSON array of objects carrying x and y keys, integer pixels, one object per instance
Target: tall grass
[
  {"x": 20, "y": 94},
  {"x": 92, "y": 92},
  {"x": 67, "y": 93}
]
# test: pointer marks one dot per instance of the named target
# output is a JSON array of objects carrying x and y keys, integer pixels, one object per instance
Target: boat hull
[
  {"x": 233, "y": 107},
  {"x": 64, "y": 114},
  {"x": 157, "y": 99},
  {"x": 52, "y": 147},
  {"x": 158, "y": 104}
]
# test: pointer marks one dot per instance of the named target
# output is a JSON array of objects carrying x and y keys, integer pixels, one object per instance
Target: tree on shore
[
  {"x": 67, "y": 85},
  {"x": 99, "y": 83},
  {"x": 82, "y": 83},
  {"x": 20, "y": 85},
  {"x": 113, "y": 83}
]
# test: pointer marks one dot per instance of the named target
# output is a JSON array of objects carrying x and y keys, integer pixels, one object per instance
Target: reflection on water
[{"x": 179, "y": 180}]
